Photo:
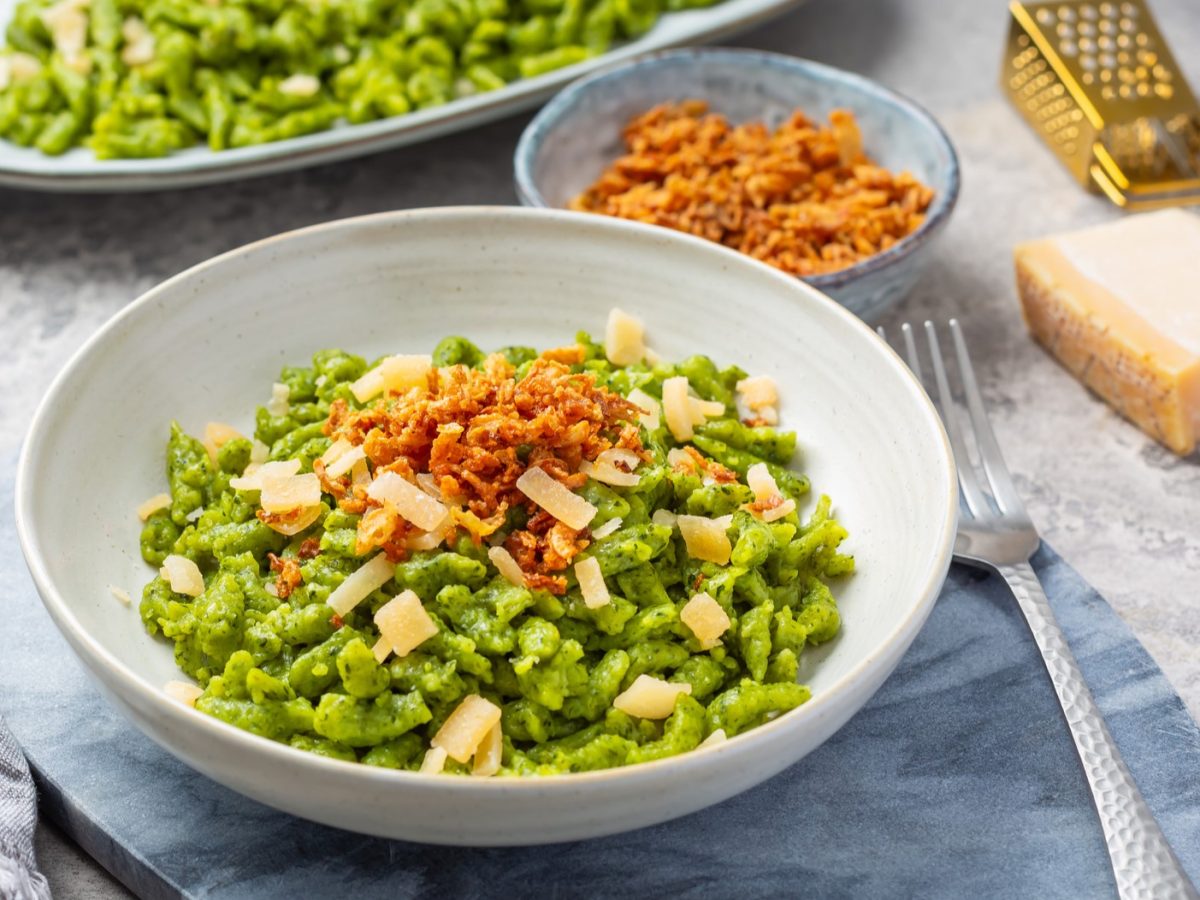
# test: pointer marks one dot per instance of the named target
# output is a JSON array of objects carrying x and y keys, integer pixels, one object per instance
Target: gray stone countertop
[{"x": 1121, "y": 509}]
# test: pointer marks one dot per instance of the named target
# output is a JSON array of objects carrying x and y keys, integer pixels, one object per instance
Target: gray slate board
[{"x": 957, "y": 780}]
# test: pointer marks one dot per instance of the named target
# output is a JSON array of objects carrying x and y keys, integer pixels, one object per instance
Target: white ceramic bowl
[{"x": 208, "y": 343}]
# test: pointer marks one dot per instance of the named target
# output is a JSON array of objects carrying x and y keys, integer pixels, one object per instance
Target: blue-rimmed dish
[{"x": 578, "y": 133}]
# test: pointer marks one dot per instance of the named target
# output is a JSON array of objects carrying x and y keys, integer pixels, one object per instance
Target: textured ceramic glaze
[
  {"x": 79, "y": 170},
  {"x": 396, "y": 283},
  {"x": 577, "y": 134}
]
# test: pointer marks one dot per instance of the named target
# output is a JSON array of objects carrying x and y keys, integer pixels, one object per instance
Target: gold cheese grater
[{"x": 1100, "y": 85}]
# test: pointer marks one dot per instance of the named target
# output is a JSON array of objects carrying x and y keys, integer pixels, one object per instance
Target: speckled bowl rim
[
  {"x": 552, "y": 113},
  {"x": 127, "y": 684}
]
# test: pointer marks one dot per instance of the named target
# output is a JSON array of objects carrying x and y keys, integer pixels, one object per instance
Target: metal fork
[{"x": 995, "y": 533}]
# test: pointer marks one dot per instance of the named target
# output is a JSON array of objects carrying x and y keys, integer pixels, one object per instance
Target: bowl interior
[
  {"x": 578, "y": 134},
  {"x": 208, "y": 344}
]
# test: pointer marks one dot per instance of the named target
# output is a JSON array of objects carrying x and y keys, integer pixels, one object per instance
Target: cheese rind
[{"x": 1135, "y": 344}]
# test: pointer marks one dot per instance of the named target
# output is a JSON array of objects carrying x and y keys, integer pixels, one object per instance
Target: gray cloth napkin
[{"x": 19, "y": 877}]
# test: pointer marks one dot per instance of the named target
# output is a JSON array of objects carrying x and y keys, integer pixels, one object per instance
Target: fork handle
[{"x": 1143, "y": 863}]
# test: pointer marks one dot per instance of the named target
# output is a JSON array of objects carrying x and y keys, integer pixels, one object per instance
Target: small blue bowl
[{"x": 578, "y": 133}]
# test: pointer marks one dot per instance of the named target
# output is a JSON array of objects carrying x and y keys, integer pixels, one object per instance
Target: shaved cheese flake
[
  {"x": 507, "y": 566},
  {"x": 556, "y": 499},
  {"x": 678, "y": 458},
  {"x": 591, "y": 583},
  {"x": 620, "y": 458},
  {"x": 299, "y": 85},
  {"x": 68, "y": 25},
  {"x": 194, "y": 514},
  {"x": 396, "y": 374},
  {"x": 434, "y": 761},
  {"x": 650, "y": 698},
  {"x": 336, "y": 450},
  {"x": 724, "y": 521},
  {"x": 183, "y": 691},
  {"x": 253, "y": 481},
  {"x": 183, "y": 575},
  {"x": 607, "y": 528},
  {"x": 664, "y": 517},
  {"x": 410, "y": 501},
  {"x": 259, "y": 452},
  {"x": 220, "y": 434},
  {"x": 703, "y": 410},
  {"x": 361, "y": 583},
  {"x": 767, "y": 414},
  {"x": 758, "y": 392},
  {"x": 762, "y": 482},
  {"x": 121, "y": 594},
  {"x": 677, "y": 408},
  {"x": 153, "y": 505},
  {"x": 296, "y": 521},
  {"x": 381, "y": 649},
  {"x": 426, "y": 540},
  {"x": 404, "y": 624},
  {"x": 286, "y": 493},
  {"x": 706, "y": 619},
  {"x": 651, "y": 415},
  {"x": 139, "y": 42},
  {"x": 606, "y": 473},
  {"x": 717, "y": 737},
  {"x": 466, "y": 728},
  {"x": 624, "y": 338},
  {"x": 345, "y": 462},
  {"x": 488, "y": 753},
  {"x": 278, "y": 405},
  {"x": 787, "y": 507},
  {"x": 428, "y": 483},
  {"x": 705, "y": 538},
  {"x": 360, "y": 475}
]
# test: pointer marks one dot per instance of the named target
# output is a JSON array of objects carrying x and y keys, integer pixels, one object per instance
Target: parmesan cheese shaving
[
  {"x": 677, "y": 408},
  {"x": 650, "y": 698},
  {"x": 762, "y": 482},
  {"x": 466, "y": 728},
  {"x": 706, "y": 619},
  {"x": 624, "y": 338},
  {"x": 702, "y": 410},
  {"x": 489, "y": 752},
  {"x": 787, "y": 507},
  {"x": 259, "y": 452},
  {"x": 758, "y": 392},
  {"x": 183, "y": 691},
  {"x": 426, "y": 540},
  {"x": 381, "y": 650},
  {"x": 121, "y": 594},
  {"x": 410, "y": 501},
  {"x": 606, "y": 473},
  {"x": 217, "y": 435},
  {"x": 153, "y": 505},
  {"x": 404, "y": 623},
  {"x": 68, "y": 24},
  {"x": 396, "y": 374},
  {"x": 434, "y": 761},
  {"x": 278, "y": 405},
  {"x": 678, "y": 458},
  {"x": 194, "y": 514},
  {"x": 183, "y": 575},
  {"x": 299, "y": 85},
  {"x": 705, "y": 538},
  {"x": 717, "y": 737},
  {"x": 335, "y": 452},
  {"x": 22, "y": 67},
  {"x": 253, "y": 480},
  {"x": 427, "y": 483},
  {"x": 664, "y": 517},
  {"x": 287, "y": 493},
  {"x": 139, "y": 42},
  {"x": 506, "y": 565},
  {"x": 607, "y": 528},
  {"x": 361, "y": 583},
  {"x": 651, "y": 416},
  {"x": 345, "y": 462},
  {"x": 554, "y": 498},
  {"x": 360, "y": 475},
  {"x": 298, "y": 520},
  {"x": 591, "y": 583}
]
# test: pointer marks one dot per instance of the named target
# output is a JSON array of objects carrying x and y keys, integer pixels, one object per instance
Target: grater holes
[
  {"x": 1066, "y": 14},
  {"x": 1087, "y": 11},
  {"x": 1129, "y": 10}
]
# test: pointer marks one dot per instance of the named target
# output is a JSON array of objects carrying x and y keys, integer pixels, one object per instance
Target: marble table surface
[{"x": 1119, "y": 508}]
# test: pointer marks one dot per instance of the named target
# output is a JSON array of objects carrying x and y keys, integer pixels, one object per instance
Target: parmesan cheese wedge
[
  {"x": 650, "y": 698},
  {"x": 607, "y": 528},
  {"x": 651, "y": 415},
  {"x": 569, "y": 508},
  {"x": 253, "y": 481},
  {"x": 395, "y": 374},
  {"x": 462, "y": 733},
  {"x": 624, "y": 338},
  {"x": 153, "y": 505},
  {"x": 506, "y": 566},
  {"x": 286, "y": 493},
  {"x": 434, "y": 761},
  {"x": 361, "y": 583},
  {"x": 410, "y": 501},
  {"x": 706, "y": 619},
  {"x": 345, "y": 462},
  {"x": 489, "y": 752},
  {"x": 706, "y": 538},
  {"x": 677, "y": 408},
  {"x": 591, "y": 583},
  {"x": 404, "y": 623},
  {"x": 183, "y": 575},
  {"x": 183, "y": 691}
]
